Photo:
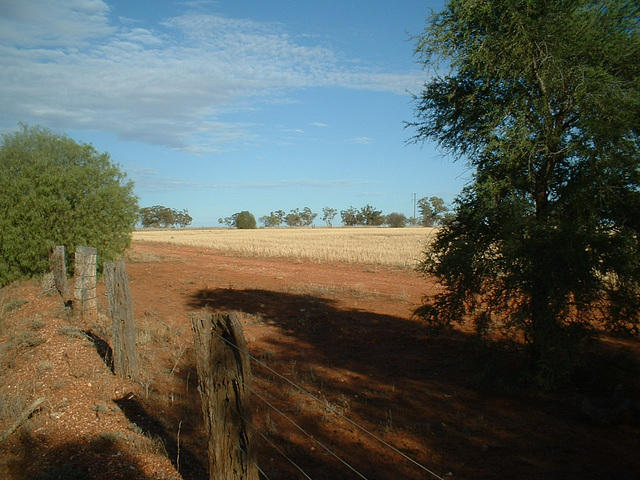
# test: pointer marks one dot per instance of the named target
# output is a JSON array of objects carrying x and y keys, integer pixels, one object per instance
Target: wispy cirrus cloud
[
  {"x": 71, "y": 64},
  {"x": 42, "y": 24},
  {"x": 361, "y": 140},
  {"x": 147, "y": 180}
]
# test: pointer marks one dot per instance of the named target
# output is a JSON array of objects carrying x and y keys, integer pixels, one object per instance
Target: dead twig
[{"x": 23, "y": 418}]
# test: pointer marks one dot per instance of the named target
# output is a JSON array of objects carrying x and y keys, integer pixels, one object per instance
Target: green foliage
[
  {"x": 241, "y": 220},
  {"x": 296, "y": 218},
  {"x": 371, "y": 216},
  {"x": 274, "y": 219},
  {"x": 245, "y": 220},
  {"x": 433, "y": 211},
  {"x": 351, "y": 217},
  {"x": 542, "y": 100},
  {"x": 328, "y": 214},
  {"x": 54, "y": 191},
  {"x": 307, "y": 217},
  {"x": 396, "y": 220},
  {"x": 367, "y": 215},
  {"x": 229, "y": 221},
  {"x": 292, "y": 219},
  {"x": 163, "y": 217}
]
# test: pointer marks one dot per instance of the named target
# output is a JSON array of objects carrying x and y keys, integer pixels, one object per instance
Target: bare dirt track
[{"x": 345, "y": 334}]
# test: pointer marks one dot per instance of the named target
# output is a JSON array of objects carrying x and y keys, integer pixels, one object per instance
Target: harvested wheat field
[
  {"x": 400, "y": 247},
  {"x": 347, "y": 383}
]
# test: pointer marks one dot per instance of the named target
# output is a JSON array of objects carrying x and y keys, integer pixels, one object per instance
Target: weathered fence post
[
  {"x": 224, "y": 380},
  {"x": 125, "y": 357},
  {"x": 85, "y": 297},
  {"x": 59, "y": 270}
]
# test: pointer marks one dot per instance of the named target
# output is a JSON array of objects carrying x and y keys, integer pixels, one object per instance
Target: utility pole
[{"x": 415, "y": 222}]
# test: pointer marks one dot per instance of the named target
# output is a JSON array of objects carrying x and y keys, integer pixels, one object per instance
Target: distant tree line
[
  {"x": 433, "y": 212},
  {"x": 295, "y": 218},
  {"x": 163, "y": 217}
]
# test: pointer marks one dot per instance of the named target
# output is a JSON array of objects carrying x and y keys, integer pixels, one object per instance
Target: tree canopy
[
  {"x": 297, "y": 218},
  {"x": 433, "y": 211},
  {"x": 245, "y": 220},
  {"x": 328, "y": 214},
  {"x": 274, "y": 219},
  {"x": 542, "y": 100},
  {"x": 54, "y": 191},
  {"x": 240, "y": 220},
  {"x": 367, "y": 215},
  {"x": 163, "y": 217},
  {"x": 396, "y": 220}
]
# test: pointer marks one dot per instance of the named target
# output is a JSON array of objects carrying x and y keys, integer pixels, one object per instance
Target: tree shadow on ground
[
  {"x": 361, "y": 341},
  {"x": 101, "y": 458},
  {"x": 375, "y": 367},
  {"x": 403, "y": 383},
  {"x": 188, "y": 464},
  {"x": 185, "y": 462}
]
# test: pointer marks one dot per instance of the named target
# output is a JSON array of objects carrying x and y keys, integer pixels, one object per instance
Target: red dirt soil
[{"x": 344, "y": 333}]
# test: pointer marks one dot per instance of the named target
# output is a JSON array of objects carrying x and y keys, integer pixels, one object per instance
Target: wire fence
[
  {"x": 327, "y": 406},
  {"x": 262, "y": 396}
]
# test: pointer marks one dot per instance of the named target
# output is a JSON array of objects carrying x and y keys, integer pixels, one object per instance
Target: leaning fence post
[
  {"x": 85, "y": 297},
  {"x": 59, "y": 270},
  {"x": 125, "y": 358},
  {"x": 224, "y": 380}
]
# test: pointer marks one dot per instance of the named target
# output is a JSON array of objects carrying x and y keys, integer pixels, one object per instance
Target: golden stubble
[{"x": 398, "y": 247}]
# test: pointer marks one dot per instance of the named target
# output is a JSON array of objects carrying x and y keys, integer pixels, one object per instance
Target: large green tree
[
  {"x": 54, "y": 191},
  {"x": 542, "y": 99}
]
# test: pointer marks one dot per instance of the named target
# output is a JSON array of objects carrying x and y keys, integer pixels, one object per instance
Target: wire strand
[
  {"x": 326, "y": 404},
  {"x": 312, "y": 396},
  {"x": 281, "y": 452},
  {"x": 239, "y": 447},
  {"x": 249, "y": 423},
  {"x": 331, "y": 452}
]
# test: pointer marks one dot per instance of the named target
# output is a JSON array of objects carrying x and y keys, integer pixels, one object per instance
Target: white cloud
[
  {"x": 361, "y": 140},
  {"x": 67, "y": 63},
  {"x": 147, "y": 180},
  {"x": 52, "y": 22}
]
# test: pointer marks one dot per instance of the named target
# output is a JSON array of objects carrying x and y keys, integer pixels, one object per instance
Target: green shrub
[
  {"x": 245, "y": 220},
  {"x": 54, "y": 191}
]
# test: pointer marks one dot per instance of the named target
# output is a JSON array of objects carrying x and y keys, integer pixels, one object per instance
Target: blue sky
[{"x": 230, "y": 105}]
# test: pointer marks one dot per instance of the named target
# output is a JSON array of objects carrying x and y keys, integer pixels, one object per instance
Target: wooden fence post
[
  {"x": 125, "y": 357},
  {"x": 59, "y": 269},
  {"x": 224, "y": 377},
  {"x": 85, "y": 297}
]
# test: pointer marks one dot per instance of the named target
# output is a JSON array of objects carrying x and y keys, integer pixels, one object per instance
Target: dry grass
[{"x": 399, "y": 247}]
